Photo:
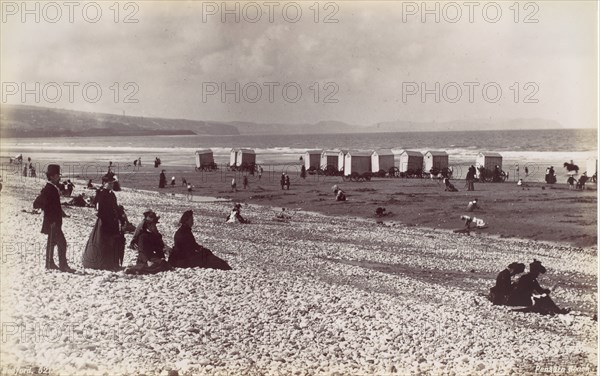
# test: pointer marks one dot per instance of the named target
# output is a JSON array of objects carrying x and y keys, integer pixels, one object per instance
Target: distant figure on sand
[
  {"x": 189, "y": 254},
  {"x": 478, "y": 222},
  {"x": 287, "y": 182},
  {"x": 245, "y": 181},
  {"x": 528, "y": 292},
  {"x": 260, "y": 172},
  {"x": 233, "y": 185},
  {"x": 140, "y": 162},
  {"x": 449, "y": 186},
  {"x": 471, "y": 178},
  {"x": 162, "y": 181},
  {"x": 504, "y": 285},
  {"x": 282, "y": 180},
  {"x": 582, "y": 180},
  {"x": 473, "y": 205},
  {"x": 49, "y": 201},
  {"x": 105, "y": 244},
  {"x": 550, "y": 175},
  {"x": 189, "y": 191},
  {"x": 236, "y": 216},
  {"x": 282, "y": 216},
  {"x": 173, "y": 181},
  {"x": 184, "y": 182},
  {"x": 339, "y": 194},
  {"x": 135, "y": 162},
  {"x": 303, "y": 172}
]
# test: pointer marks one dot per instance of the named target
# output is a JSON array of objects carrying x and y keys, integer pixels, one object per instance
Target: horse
[{"x": 571, "y": 167}]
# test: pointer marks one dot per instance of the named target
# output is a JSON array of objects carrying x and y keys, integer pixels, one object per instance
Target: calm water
[{"x": 540, "y": 147}]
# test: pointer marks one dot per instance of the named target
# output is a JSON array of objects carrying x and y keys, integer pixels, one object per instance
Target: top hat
[{"x": 53, "y": 169}]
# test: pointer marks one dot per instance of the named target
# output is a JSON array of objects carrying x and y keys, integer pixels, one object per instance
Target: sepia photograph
[{"x": 303, "y": 187}]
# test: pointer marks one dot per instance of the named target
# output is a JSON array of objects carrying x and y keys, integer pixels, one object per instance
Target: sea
[{"x": 537, "y": 149}]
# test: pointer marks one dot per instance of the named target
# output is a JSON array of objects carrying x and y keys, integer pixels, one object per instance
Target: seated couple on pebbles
[
  {"x": 525, "y": 292},
  {"x": 186, "y": 253}
]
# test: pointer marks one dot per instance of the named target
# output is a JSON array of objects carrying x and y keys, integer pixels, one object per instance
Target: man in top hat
[{"x": 49, "y": 202}]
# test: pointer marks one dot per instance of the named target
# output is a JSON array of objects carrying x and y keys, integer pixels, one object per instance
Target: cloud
[{"x": 368, "y": 53}]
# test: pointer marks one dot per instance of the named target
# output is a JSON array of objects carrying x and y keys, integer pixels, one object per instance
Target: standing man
[{"x": 49, "y": 202}]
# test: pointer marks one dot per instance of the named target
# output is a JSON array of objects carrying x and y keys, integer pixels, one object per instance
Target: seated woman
[
  {"x": 499, "y": 293},
  {"x": 151, "y": 249},
  {"x": 189, "y": 254},
  {"x": 528, "y": 292},
  {"x": 235, "y": 216}
]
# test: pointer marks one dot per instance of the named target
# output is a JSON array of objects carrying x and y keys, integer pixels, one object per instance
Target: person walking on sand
[
  {"x": 49, "y": 202},
  {"x": 103, "y": 247},
  {"x": 282, "y": 180},
  {"x": 189, "y": 192},
  {"x": 233, "y": 185},
  {"x": 287, "y": 182},
  {"x": 162, "y": 182}
]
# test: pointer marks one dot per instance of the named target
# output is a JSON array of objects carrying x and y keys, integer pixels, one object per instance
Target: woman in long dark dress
[
  {"x": 162, "y": 181},
  {"x": 104, "y": 247},
  {"x": 528, "y": 292},
  {"x": 500, "y": 292},
  {"x": 189, "y": 254}
]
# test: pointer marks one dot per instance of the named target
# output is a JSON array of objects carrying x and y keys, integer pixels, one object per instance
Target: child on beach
[{"x": 472, "y": 205}]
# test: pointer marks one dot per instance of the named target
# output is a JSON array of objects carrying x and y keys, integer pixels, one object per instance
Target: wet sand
[{"x": 537, "y": 211}]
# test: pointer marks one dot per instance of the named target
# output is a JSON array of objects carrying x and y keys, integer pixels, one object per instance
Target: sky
[{"x": 304, "y": 62}]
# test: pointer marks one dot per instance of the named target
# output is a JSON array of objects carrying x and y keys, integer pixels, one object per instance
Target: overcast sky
[{"x": 179, "y": 54}]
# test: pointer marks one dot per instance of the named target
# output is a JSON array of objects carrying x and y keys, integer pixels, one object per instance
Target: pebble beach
[{"x": 315, "y": 295}]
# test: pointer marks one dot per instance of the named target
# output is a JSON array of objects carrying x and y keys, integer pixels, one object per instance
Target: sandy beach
[
  {"x": 536, "y": 211},
  {"x": 322, "y": 294}
]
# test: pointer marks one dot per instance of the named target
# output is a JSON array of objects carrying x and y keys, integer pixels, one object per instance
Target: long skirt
[
  {"x": 104, "y": 250},
  {"x": 204, "y": 259}
]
